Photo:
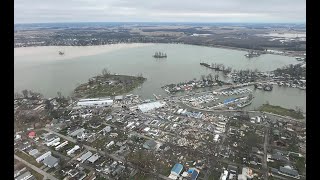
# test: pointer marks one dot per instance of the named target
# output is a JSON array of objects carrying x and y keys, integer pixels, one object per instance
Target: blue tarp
[
  {"x": 228, "y": 100},
  {"x": 177, "y": 168},
  {"x": 194, "y": 175}
]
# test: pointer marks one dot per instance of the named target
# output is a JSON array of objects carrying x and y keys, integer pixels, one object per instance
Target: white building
[
  {"x": 61, "y": 145},
  {"x": 150, "y": 106},
  {"x": 95, "y": 102},
  {"x": 43, "y": 156},
  {"x": 53, "y": 141},
  {"x": 76, "y": 147}
]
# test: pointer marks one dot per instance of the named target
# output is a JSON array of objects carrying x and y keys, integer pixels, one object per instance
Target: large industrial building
[
  {"x": 150, "y": 106},
  {"x": 95, "y": 102}
]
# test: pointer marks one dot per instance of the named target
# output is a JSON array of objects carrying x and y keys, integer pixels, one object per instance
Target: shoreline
[{"x": 93, "y": 49}]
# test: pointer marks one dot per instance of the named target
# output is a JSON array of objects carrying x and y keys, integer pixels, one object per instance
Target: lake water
[{"x": 49, "y": 77}]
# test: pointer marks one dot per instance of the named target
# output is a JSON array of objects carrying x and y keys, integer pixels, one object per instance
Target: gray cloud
[{"x": 28, "y": 11}]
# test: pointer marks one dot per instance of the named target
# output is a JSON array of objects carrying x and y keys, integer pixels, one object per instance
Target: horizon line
[{"x": 190, "y": 22}]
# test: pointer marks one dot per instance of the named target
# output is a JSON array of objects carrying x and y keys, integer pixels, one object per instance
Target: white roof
[{"x": 150, "y": 106}]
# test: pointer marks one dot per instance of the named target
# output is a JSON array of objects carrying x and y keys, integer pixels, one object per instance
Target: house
[
  {"x": 176, "y": 170},
  {"x": 76, "y": 132},
  {"x": 71, "y": 151},
  {"x": 43, "y": 156},
  {"x": 50, "y": 137},
  {"x": 118, "y": 98},
  {"x": 107, "y": 129},
  {"x": 288, "y": 171},
  {"x": 32, "y": 134},
  {"x": 278, "y": 156},
  {"x": 18, "y": 172},
  {"x": 150, "y": 144},
  {"x": 25, "y": 176},
  {"x": 51, "y": 161}
]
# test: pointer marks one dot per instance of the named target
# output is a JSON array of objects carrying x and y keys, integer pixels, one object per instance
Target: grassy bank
[
  {"x": 281, "y": 111},
  {"x": 28, "y": 158},
  {"x": 108, "y": 85}
]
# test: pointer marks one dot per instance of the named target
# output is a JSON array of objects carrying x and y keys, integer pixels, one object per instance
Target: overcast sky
[{"x": 42, "y": 11}]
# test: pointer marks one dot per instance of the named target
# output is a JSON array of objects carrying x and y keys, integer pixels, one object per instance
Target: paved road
[
  {"x": 264, "y": 163},
  {"x": 45, "y": 174}
]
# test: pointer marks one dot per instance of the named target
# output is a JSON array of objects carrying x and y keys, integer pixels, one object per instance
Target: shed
[{"x": 34, "y": 152}]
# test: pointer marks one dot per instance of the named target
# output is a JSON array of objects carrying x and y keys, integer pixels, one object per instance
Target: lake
[{"x": 49, "y": 72}]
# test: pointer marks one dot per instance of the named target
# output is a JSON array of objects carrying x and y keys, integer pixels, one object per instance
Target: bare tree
[
  {"x": 203, "y": 77},
  {"x": 209, "y": 77},
  {"x": 59, "y": 94},
  {"x": 25, "y": 93},
  {"x": 105, "y": 72}
]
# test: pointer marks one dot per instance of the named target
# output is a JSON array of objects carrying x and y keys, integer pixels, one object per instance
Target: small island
[
  {"x": 108, "y": 84},
  {"x": 297, "y": 114}
]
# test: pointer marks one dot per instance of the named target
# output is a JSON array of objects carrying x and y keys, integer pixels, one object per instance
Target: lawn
[
  {"x": 36, "y": 174},
  {"x": 28, "y": 158},
  {"x": 281, "y": 111}
]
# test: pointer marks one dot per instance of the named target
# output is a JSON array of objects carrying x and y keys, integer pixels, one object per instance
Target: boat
[
  {"x": 61, "y": 53},
  {"x": 160, "y": 55}
]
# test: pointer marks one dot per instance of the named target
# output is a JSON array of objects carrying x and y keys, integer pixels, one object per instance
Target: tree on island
[
  {"x": 105, "y": 72},
  {"x": 209, "y": 77},
  {"x": 25, "y": 93},
  {"x": 203, "y": 77},
  {"x": 59, "y": 95}
]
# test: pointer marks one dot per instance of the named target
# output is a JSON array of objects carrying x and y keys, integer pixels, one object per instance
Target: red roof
[{"x": 32, "y": 134}]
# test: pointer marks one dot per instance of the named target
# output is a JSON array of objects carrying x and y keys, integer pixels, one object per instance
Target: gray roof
[
  {"x": 50, "y": 161},
  {"x": 25, "y": 176},
  {"x": 232, "y": 168},
  {"x": 33, "y": 152},
  {"x": 149, "y": 144},
  {"x": 93, "y": 158},
  {"x": 279, "y": 157},
  {"x": 118, "y": 97},
  {"x": 50, "y": 136},
  {"x": 288, "y": 171},
  {"x": 76, "y": 132},
  {"x": 150, "y": 106},
  {"x": 86, "y": 156},
  {"x": 274, "y": 170}
]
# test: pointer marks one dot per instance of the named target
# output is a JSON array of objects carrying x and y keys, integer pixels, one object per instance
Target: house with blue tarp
[{"x": 176, "y": 170}]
